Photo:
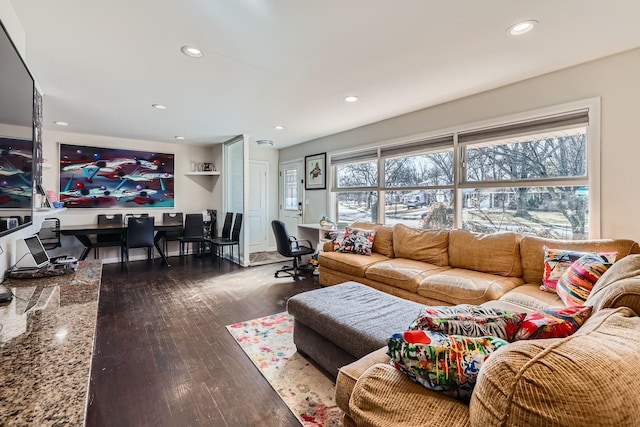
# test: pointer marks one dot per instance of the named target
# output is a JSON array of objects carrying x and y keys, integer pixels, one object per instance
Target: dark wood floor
[{"x": 163, "y": 356}]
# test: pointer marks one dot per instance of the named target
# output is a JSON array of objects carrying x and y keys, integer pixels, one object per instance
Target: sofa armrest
[
  {"x": 349, "y": 374},
  {"x": 327, "y": 246},
  {"x": 384, "y": 396}
]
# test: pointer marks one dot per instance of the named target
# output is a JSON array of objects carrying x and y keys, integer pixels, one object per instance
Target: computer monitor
[{"x": 30, "y": 253}]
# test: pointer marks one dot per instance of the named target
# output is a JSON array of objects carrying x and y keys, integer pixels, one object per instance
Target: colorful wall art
[
  {"x": 93, "y": 177},
  {"x": 16, "y": 179}
]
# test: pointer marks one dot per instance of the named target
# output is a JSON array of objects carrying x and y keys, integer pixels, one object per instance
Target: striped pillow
[
  {"x": 576, "y": 283},
  {"x": 553, "y": 323}
]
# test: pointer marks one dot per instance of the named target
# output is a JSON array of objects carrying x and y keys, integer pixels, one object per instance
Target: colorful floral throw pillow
[
  {"x": 553, "y": 323},
  {"x": 576, "y": 283},
  {"x": 355, "y": 241},
  {"x": 557, "y": 261},
  {"x": 470, "y": 320},
  {"x": 440, "y": 362}
]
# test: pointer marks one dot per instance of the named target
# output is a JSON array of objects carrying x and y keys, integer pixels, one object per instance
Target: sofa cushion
[
  {"x": 553, "y": 323},
  {"x": 458, "y": 286},
  {"x": 530, "y": 295},
  {"x": 532, "y": 252},
  {"x": 429, "y": 246},
  {"x": 562, "y": 381},
  {"x": 402, "y": 273},
  {"x": 352, "y": 264},
  {"x": 385, "y": 397},
  {"x": 440, "y": 362},
  {"x": 619, "y": 286},
  {"x": 557, "y": 261},
  {"x": 497, "y": 253},
  {"x": 470, "y": 320},
  {"x": 576, "y": 283}
]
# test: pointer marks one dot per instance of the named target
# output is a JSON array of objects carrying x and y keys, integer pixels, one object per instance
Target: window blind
[
  {"x": 354, "y": 157},
  {"x": 431, "y": 144},
  {"x": 541, "y": 124}
]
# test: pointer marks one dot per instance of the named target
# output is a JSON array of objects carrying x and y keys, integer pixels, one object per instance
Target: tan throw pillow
[
  {"x": 421, "y": 245},
  {"x": 383, "y": 242}
]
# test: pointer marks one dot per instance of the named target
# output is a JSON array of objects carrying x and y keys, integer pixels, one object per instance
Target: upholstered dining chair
[
  {"x": 193, "y": 232},
  {"x": 176, "y": 218},
  {"x": 290, "y": 247},
  {"x": 140, "y": 234},
  {"x": 109, "y": 239}
]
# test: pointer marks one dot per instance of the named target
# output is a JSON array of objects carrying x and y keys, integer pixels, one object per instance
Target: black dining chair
[
  {"x": 176, "y": 218},
  {"x": 233, "y": 240},
  {"x": 49, "y": 233},
  {"x": 193, "y": 232},
  {"x": 140, "y": 234},
  {"x": 290, "y": 247},
  {"x": 108, "y": 239}
]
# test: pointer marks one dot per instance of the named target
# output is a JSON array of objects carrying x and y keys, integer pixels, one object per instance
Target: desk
[
  {"x": 82, "y": 233},
  {"x": 316, "y": 234},
  {"x": 46, "y": 345}
]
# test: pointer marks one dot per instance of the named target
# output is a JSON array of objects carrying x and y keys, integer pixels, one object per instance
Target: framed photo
[{"x": 315, "y": 172}]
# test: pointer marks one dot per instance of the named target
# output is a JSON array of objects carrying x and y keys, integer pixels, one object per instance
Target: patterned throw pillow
[
  {"x": 470, "y": 320},
  {"x": 444, "y": 363},
  {"x": 355, "y": 241},
  {"x": 576, "y": 283},
  {"x": 553, "y": 323},
  {"x": 557, "y": 261}
]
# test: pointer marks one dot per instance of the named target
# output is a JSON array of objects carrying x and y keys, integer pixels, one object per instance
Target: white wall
[
  {"x": 614, "y": 79},
  {"x": 193, "y": 194},
  {"x": 269, "y": 155}
]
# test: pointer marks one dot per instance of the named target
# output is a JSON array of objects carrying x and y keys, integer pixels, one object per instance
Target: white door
[
  {"x": 291, "y": 195},
  {"x": 257, "y": 206}
]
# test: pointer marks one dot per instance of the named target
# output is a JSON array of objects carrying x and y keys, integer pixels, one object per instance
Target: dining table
[{"x": 84, "y": 232}]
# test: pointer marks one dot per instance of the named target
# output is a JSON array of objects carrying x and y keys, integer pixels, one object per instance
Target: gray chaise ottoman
[{"x": 337, "y": 325}]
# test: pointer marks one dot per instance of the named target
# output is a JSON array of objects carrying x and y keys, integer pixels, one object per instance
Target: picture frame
[{"x": 315, "y": 172}]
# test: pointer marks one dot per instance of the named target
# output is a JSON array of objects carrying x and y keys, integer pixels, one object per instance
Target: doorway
[
  {"x": 291, "y": 196},
  {"x": 257, "y": 224}
]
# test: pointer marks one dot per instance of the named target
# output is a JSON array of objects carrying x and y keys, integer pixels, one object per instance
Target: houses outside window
[{"x": 531, "y": 176}]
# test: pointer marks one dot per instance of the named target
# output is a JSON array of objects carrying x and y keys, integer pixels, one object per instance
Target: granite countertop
[{"x": 46, "y": 343}]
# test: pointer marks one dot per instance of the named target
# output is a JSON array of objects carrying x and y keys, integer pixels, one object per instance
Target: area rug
[
  {"x": 269, "y": 257},
  {"x": 268, "y": 341}
]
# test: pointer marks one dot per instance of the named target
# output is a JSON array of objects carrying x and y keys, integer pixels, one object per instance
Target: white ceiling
[{"x": 290, "y": 62}]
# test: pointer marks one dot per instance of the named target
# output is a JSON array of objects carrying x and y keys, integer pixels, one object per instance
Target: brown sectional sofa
[
  {"x": 552, "y": 382},
  {"x": 449, "y": 267}
]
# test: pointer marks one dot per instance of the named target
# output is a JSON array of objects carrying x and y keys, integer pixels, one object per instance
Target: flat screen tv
[{"x": 16, "y": 134}]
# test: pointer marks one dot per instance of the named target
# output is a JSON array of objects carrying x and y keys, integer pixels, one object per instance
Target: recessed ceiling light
[
  {"x": 279, "y": 127},
  {"x": 350, "y": 98},
  {"x": 522, "y": 27},
  {"x": 61, "y": 123},
  {"x": 264, "y": 142},
  {"x": 179, "y": 137},
  {"x": 191, "y": 51},
  {"x": 159, "y": 106}
]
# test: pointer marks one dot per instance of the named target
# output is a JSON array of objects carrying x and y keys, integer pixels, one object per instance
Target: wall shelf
[{"x": 207, "y": 173}]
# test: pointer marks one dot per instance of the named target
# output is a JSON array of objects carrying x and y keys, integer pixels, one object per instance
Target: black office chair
[
  {"x": 233, "y": 240},
  {"x": 290, "y": 247},
  {"x": 140, "y": 234},
  {"x": 193, "y": 232},
  {"x": 108, "y": 239},
  {"x": 49, "y": 233},
  {"x": 172, "y": 235}
]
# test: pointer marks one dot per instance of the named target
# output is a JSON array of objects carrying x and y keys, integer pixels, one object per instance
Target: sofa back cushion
[
  {"x": 497, "y": 253},
  {"x": 421, "y": 245},
  {"x": 383, "y": 242},
  {"x": 532, "y": 252},
  {"x": 517, "y": 387},
  {"x": 619, "y": 286}
]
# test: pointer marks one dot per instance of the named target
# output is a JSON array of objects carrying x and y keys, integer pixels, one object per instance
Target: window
[
  {"x": 290, "y": 176},
  {"x": 530, "y": 176}
]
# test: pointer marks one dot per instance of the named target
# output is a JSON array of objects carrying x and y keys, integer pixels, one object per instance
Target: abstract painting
[
  {"x": 16, "y": 178},
  {"x": 95, "y": 177}
]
